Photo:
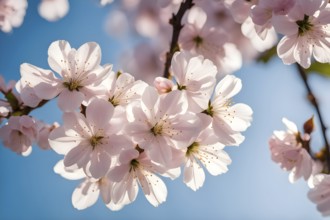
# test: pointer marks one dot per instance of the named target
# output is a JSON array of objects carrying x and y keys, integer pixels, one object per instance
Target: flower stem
[
  {"x": 175, "y": 21},
  {"x": 314, "y": 102}
]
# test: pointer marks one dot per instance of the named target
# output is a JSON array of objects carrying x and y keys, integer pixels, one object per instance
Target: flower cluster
[{"x": 119, "y": 133}]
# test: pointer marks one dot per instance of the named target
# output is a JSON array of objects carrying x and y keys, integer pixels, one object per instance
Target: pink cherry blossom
[
  {"x": 44, "y": 131},
  {"x": 320, "y": 194},
  {"x": 210, "y": 42},
  {"x": 19, "y": 133},
  {"x": 136, "y": 169},
  {"x": 53, "y": 10},
  {"x": 89, "y": 142},
  {"x": 206, "y": 151},
  {"x": 80, "y": 73},
  {"x": 306, "y": 33},
  {"x": 195, "y": 78},
  {"x": 12, "y": 13},
  {"x": 161, "y": 126},
  {"x": 228, "y": 121},
  {"x": 289, "y": 153},
  {"x": 163, "y": 85}
]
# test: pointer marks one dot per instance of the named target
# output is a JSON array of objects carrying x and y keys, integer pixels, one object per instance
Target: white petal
[
  {"x": 85, "y": 195},
  {"x": 194, "y": 175},
  {"x": 70, "y": 100},
  {"x": 88, "y": 56},
  {"x": 99, "y": 113},
  {"x": 58, "y": 53}
]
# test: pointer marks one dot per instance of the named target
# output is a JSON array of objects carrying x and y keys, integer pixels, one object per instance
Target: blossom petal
[
  {"x": 85, "y": 195},
  {"x": 70, "y": 100}
]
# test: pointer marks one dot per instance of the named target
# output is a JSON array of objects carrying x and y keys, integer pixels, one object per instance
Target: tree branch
[
  {"x": 175, "y": 21},
  {"x": 314, "y": 102}
]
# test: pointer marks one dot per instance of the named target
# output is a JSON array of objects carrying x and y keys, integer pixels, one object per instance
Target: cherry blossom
[
  {"x": 89, "y": 142},
  {"x": 161, "y": 126},
  {"x": 163, "y": 85},
  {"x": 206, "y": 151},
  {"x": 287, "y": 149},
  {"x": 44, "y": 131},
  {"x": 306, "y": 33},
  {"x": 320, "y": 194},
  {"x": 80, "y": 73},
  {"x": 12, "y": 14},
  {"x": 136, "y": 169},
  {"x": 53, "y": 10},
  {"x": 19, "y": 133},
  {"x": 195, "y": 78},
  {"x": 229, "y": 120},
  {"x": 210, "y": 42}
]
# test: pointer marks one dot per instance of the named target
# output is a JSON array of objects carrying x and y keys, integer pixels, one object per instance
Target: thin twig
[
  {"x": 175, "y": 21},
  {"x": 314, "y": 102}
]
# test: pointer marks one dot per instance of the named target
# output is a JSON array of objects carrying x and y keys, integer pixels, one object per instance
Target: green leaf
[
  {"x": 322, "y": 69},
  {"x": 266, "y": 56}
]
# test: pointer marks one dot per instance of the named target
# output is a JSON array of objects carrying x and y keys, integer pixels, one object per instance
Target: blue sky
[{"x": 254, "y": 188}]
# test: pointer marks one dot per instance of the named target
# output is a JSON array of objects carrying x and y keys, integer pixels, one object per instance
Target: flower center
[
  {"x": 95, "y": 140},
  {"x": 304, "y": 25},
  {"x": 113, "y": 101},
  {"x": 157, "y": 129},
  {"x": 72, "y": 85},
  {"x": 209, "y": 110},
  {"x": 193, "y": 148},
  {"x": 134, "y": 165},
  {"x": 198, "y": 40}
]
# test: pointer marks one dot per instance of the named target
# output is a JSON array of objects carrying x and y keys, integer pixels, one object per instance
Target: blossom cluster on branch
[{"x": 170, "y": 109}]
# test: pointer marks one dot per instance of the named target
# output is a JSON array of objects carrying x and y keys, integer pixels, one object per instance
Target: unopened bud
[{"x": 309, "y": 125}]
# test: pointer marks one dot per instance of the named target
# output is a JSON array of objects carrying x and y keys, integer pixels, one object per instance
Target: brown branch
[
  {"x": 175, "y": 21},
  {"x": 314, "y": 102}
]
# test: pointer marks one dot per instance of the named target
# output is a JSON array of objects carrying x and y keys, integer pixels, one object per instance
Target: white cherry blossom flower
[
  {"x": 122, "y": 89},
  {"x": 19, "y": 133},
  {"x": 228, "y": 121},
  {"x": 12, "y": 14},
  {"x": 162, "y": 127},
  {"x": 163, "y": 85},
  {"x": 79, "y": 70},
  {"x": 320, "y": 194},
  {"x": 89, "y": 142},
  {"x": 53, "y": 10},
  {"x": 135, "y": 170},
  {"x": 195, "y": 78},
  {"x": 206, "y": 151},
  {"x": 289, "y": 152},
  {"x": 306, "y": 31}
]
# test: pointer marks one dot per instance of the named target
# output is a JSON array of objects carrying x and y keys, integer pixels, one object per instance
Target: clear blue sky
[{"x": 254, "y": 188}]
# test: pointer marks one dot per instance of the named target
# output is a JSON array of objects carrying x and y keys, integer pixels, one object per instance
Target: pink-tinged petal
[
  {"x": 324, "y": 16},
  {"x": 85, "y": 195},
  {"x": 224, "y": 132},
  {"x": 321, "y": 52},
  {"x": 99, "y": 113},
  {"x": 197, "y": 17},
  {"x": 309, "y": 7},
  {"x": 160, "y": 151},
  {"x": 228, "y": 87},
  {"x": 285, "y": 49},
  {"x": 100, "y": 164},
  {"x": 118, "y": 173},
  {"x": 58, "y": 53},
  {"x": 261, "y": 15},
  {"x": 194, "y": 175},
  {"x": 79, "y": 155},
  {"x": 179, "y": 65},
  {"x": 290, "y": 125},
  {"x": 60, "y": 143},
  {"x": 171, "y": 104},
  {"x": 149, "y": 98},
  {"x": 284, "y": 26},
  {"x": 126, "y": 156},
  {"x": 88, "y": 56},
  {"x": 216, "y": 161},
  {"x": 28, "y": 95},
  {"x": 70, "y": 174},
  {"x": 153, "y": 187},
  {"x": 70, "y": 100},
  {"x": 120, "y": 190},
  {"x": 303, "y": 51}
]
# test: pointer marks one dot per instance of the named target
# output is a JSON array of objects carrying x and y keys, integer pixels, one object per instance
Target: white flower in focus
[
  {"x": 195, "y": 78},
  {"x": 80, "y": 74},
  {"x": 12, "y": 13},
  {"x": 89, "y": 142},
  {"x": 228, "y": 121},
  {"x": 210, "y": 42},
  {"x": 136, "y": 169},
  {"x": 307, "y": 33},
  {"x": 206, "y": 151},
  {"x": 122, "y": 88},
  {"x": 320, "y": 194},
  {"x": 289, "y": 152},
  {"x": 19, "y": 133},
  {"x": 53, "y": 10},
  {"x": 161, "y": 126}
]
